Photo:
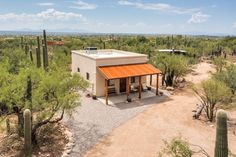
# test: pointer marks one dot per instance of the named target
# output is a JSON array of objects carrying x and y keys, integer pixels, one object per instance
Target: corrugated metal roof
[{"x": 123, "y": 71}]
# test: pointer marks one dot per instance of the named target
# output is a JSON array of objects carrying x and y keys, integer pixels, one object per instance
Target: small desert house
[{"x": 112, "y": 71}]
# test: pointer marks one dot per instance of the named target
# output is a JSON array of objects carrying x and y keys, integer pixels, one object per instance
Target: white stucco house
[{"x": 112, "y": 71}]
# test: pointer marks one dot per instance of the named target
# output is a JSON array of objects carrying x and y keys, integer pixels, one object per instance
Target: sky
[{"x": 121, "y": 16}]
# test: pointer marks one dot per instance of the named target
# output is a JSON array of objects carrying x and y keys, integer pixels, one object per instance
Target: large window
[{"x": 87, "y": 76}]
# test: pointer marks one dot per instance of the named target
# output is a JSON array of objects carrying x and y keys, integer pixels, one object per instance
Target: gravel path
[{"x": 92, "y": 120}]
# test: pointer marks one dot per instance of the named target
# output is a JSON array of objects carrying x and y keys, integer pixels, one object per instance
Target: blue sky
[{"x": 120, "y": 16}]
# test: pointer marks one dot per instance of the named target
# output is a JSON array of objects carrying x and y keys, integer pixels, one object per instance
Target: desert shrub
[
  {"x": 220, "y": 63},
  {"x": 177, "y": 147},
  {"x": 228, "y": 76},
  {"x": 211, "y": 93}
]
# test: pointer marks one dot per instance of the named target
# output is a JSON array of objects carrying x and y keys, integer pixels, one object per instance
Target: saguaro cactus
[
  {"x": 45, "y": 50},
  {"x": 22, "y": 42},
  {"x": 31, "y": 55},
  {"x": 221, "y": 144},
  {"x": 26, "y": 49},
  {"x": 38, "y": 56},
  {"x": 45, "y": 58},
  {"x": 27, "y": 133}
]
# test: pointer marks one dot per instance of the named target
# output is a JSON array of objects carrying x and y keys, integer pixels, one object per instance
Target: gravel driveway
[{"x": 92, "y": 120}]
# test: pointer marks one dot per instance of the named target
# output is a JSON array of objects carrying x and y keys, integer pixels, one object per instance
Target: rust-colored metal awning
[{"x": 124, "y": 71}]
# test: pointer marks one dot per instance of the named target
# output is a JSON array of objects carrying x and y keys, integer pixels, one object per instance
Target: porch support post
[
  {"x": 106, "y": 92},
  {"x": 140, "y": 87},
  {"x": 157, "y": 84},
  {"x": 127, "y": 87},
  {"x": 150, "y": 80}
]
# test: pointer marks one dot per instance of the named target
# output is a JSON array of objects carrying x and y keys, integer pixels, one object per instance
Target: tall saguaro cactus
[
  {"x": 27, "y": 133},
  {"x": 221, "y": 144},
  {"x": 26, "y": 49},
  {"x": 38, "y": 56},
  {"x": 45, "y": 50},
  {"x": 45, "y": 58},
  {"x": 22, "y": 42},
  {"x": 31, "y": 55}
]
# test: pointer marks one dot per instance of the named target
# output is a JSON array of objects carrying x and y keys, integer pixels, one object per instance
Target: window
[
  {"x": 110, "y": 82},
  {"x": 78, "y": 69},
  {"x": 87, "y": 76},
  {"x": 132, "y": 79}
]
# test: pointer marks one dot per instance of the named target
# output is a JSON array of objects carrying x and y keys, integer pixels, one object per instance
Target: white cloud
[
  {"x": 49, "y": 14},
  {"x": 198, "y": 17},
  {"x": 45, "y": 4},
  {"x": 83, "y": 5},
  {"x": 52, "y": 14},
  {"x": 49, "y": 18},
  {"x": 158, "y": 6}
]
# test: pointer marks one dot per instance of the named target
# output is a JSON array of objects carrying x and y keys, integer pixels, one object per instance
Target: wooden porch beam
[
  {"x": 106, "y": 92},
  {"x": 127, "y": 87},
  {"x": 140, "y": 87},
  {"x": 157, "y": 85},
  {"x": 150, "y": 80}
]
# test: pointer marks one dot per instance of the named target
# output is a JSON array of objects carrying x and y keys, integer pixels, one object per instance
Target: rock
[
  {"x": 161, "y": 93},
  {"x": 181, "y": 85},
  {"x": 68, "y": 151},
  {"x": 212, "y": 125},
  {"x": 170, "y": 88}
]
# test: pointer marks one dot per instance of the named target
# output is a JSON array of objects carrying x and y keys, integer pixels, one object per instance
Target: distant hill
[{"x": 74, "y": 32}]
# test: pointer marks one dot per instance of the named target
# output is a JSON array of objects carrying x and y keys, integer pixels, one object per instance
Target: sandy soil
[{"x": 143, "y": 135}]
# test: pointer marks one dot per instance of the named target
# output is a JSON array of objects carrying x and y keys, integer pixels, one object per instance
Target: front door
[{"x": 122, "y": 85}]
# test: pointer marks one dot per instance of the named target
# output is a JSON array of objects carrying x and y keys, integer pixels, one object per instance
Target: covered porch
[{"x": 125, "y": 73}]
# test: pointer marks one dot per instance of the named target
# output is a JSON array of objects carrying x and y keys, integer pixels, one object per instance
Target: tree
[
  {"x": 220, "y": 63},
  {"x": 172, "y": 67},
  {"x": 53, "y": 93},
  {"x": 48, "y": 94},
  {"x": 211, "y": 93},
  {"x": 228, "y": 76}
]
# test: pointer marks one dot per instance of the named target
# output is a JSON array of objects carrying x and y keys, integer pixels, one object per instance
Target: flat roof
[
  {"x": 171, "y": 50},
  {"x": 131, "y": 70},
  {"x": 107, "y": 53}
]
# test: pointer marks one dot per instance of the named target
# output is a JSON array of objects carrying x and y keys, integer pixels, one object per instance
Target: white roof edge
[{"x": 132, "y": 54}]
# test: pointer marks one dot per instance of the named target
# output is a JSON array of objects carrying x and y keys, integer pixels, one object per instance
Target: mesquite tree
[
  {"x": 172, "y": 67},
  {"x": 53, "y": 93},
  {"x": 212, "y": 93},
  {"x": 49, "y": 94}
]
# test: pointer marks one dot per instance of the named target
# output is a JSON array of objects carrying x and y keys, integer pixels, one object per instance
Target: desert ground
[{"x": 143, "y": 135}]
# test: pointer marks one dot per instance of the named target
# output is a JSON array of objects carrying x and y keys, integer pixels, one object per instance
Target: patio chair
[
  {"x": 133, "y": 88},
  {"x": 144, "y": 87}
]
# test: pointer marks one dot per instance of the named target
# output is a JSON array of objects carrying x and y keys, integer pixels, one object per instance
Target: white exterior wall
[
  {"x": 86, "y": 65},
  {"x": 90, "y": 65}
]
